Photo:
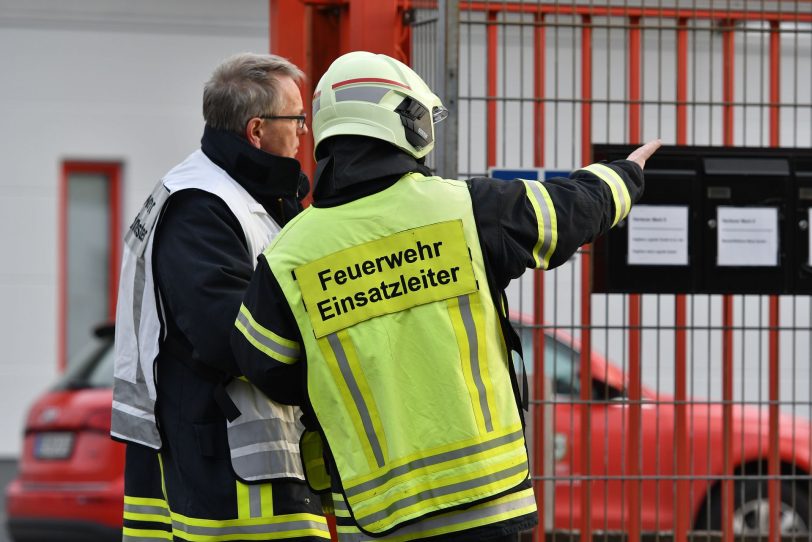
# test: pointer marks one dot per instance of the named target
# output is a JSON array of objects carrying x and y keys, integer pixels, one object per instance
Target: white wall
[{"x": 111, "y": 80}]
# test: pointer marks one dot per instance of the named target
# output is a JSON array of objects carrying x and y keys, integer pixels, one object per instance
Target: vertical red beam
[
  {"x": 773, "y": 466},
  {"x": 373, "y": 26},
  {"x": 539, "y": 428},
  {"x": 728, "y": 62},
  {"x": 62, "y": 285},
  {"x": 775, "y": 82},
  {"x": 586, "y": 292},
  {"x": 493, "y": 42},
  {"x": 115, "y": 237},
  {"x": 635, "y": 51},
  {"x": 290, "y": 37},
  {"x": 539, "y": 54},
  {"x": 682, "y": 519},
  {"x": 634, "y": 407},
  {"x": 683, "y": 511},
  {"x": 727, "y": 417},
  {"x": 540, "y": 407}
]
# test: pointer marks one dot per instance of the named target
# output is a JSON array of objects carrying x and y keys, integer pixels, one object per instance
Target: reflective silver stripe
[
  {"x": 610, "y": 177},
  {"x": 473, "y": 347},
  {"x": 361, "y": 94},
  {"x": 255, "y": 501},
  {"x": 434, "y": 460},
  {"x": 447, "y": 521},
  {"x": 267, "y": 342},
  {"x": 360, "y": 404},
  {"x": 139, "y": 280},
  {"x": 543, "y": 206},
  {"x": 293, "y": 525},
  {"x": 265, "y": 464},
  {"x": 316, "y": 105},
  {"x": 138, "y": 429},
  {"x": 133, "y": 394},
  {"x": 262, "y": 431},
  {"x": 128, "y": 538},
  {"x": 433, "y": 493},
  {"x": 146, "y": 509}
]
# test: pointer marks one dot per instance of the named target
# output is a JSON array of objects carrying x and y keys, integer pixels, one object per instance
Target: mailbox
[{"x": 715, "y": 220}]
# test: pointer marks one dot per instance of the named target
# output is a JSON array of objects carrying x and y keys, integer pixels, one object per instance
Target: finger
[{"x": 641, "y": 154}]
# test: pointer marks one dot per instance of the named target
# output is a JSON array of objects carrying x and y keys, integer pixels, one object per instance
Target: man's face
[{"x": 281, "y": 136}]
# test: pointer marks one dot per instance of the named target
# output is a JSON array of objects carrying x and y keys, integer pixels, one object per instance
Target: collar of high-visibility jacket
[
  {"x": 351, "y": 167},
  {"x": 267, "y": 177}
]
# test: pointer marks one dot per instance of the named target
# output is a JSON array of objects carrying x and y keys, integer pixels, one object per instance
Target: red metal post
[
  {"x": 539, "y": 428},
  {"x": 728, "y": 52},
  {"x": 62, "y": 284},
  {"x": 682, "y": 513},
  {"x": 290, "y": 26},
  {"x": 635, "y": 52},
  {"x": 682, "y": 519},
  {"x": 727, "y": 418},
  {"x": 728, "y": 65},
  {"x": 775, "y": 82},
  {"x": 539, "y": 54},
  {"x": 373, "y": 26},
  {"x": 623, "y": 10},
  {"x": 493, "y": 41},
  {"x": 682, "y": 82},
  {"x": 633, "y": 454},
  {"x": 773, "y": 465},
  {"x": 586, "y": 292},
  {"x": 540, "y": 398}
]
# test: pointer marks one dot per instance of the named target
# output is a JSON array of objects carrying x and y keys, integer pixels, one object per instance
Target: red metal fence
[{"x": 655, "y": 414}]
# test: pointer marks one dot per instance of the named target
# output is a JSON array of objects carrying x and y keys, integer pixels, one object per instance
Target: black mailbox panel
[
  {"x": 800, "y": 223},
  {"x": 626, "y": 260},
  {"x": 745, "y": 237},
  {"x": 712, "y": 220}
]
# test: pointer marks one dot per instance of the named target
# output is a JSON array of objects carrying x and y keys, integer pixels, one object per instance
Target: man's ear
[{"x": 253, "y": 132}]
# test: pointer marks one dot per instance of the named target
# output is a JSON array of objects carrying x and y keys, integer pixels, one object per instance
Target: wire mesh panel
[{"x": 666, "y": 414}]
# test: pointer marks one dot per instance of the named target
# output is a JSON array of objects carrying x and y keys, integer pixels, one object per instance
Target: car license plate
[{"x": 54, "y": 445}]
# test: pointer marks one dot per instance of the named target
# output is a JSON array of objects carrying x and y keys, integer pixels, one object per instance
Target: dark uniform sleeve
[
  {"x": 531, "y": 224},
  {"x": 266, "y": 341},
  {"x": 202, "y": 267}
]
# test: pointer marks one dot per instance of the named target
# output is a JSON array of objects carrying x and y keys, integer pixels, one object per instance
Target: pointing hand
[{"x": 641, "y": 154}]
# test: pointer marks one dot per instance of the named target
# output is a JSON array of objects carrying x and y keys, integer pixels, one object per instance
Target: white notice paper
[
  {"x": 658, "y": 235},
  {"x": 748, "y": 236}
]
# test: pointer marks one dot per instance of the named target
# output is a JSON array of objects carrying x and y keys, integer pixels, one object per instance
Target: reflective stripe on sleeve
[
  {"x": 547, "y": 223},
  {"x": 265, "y": 340},
  {"x": 620, "y": 193}
]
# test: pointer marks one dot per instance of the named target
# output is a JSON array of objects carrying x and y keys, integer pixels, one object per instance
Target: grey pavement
[{"x": 8, "y": 469}]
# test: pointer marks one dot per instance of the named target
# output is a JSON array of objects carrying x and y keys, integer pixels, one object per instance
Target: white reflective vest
[{"x": 264, "y": 439}]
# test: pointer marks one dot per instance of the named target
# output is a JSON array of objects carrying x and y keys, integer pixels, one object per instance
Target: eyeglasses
[{"x": 300, "y": 119}]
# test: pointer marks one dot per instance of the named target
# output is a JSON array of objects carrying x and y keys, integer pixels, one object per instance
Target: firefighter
[
  {"x": 208, "y": 456},
  {"x": 382, "y": 305}
]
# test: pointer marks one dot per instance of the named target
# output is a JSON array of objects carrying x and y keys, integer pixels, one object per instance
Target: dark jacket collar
[
  {"x": 274, "y": 181},
  {"x": 351, "y": 167}
]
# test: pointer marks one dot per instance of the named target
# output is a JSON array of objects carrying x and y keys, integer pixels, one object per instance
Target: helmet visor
[{"x": 438, "y": 114}]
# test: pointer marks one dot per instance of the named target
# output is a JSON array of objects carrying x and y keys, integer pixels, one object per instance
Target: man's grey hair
[{"x": 245, "y": 85}]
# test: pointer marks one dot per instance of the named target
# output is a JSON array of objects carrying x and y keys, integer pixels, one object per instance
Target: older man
[{"x": 208, "y": 455}]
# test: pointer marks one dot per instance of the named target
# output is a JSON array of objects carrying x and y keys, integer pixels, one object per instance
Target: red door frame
[{"x": 112, "y": 171}]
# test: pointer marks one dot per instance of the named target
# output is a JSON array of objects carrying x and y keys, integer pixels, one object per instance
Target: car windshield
[{"x": 91, "y": 367}]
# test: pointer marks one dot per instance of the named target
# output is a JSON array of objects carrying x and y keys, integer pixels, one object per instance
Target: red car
[
  {"x": 71, "y": 474},
  {"x": 608, "y": 448},
  {"x": 70, "y": 484}
]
